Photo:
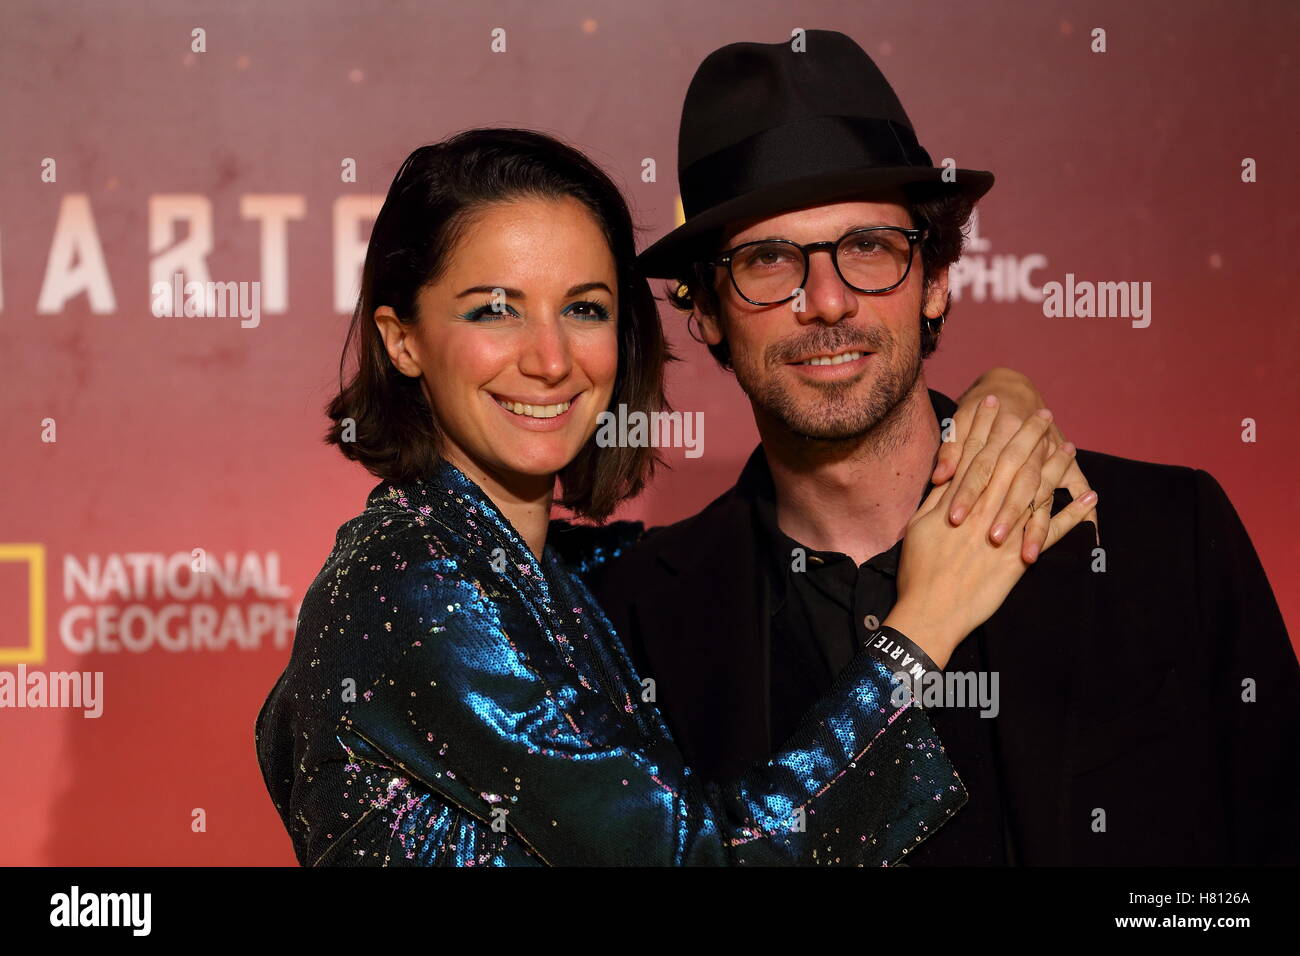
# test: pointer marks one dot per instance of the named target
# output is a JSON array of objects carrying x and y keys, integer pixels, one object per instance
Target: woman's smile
[{"x": 537, "y": 414}]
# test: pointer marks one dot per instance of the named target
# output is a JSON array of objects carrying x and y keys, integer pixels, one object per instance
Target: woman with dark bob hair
[{"x": 455, "y": 696}]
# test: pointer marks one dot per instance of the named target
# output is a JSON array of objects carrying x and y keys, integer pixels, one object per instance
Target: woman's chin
[{"x": 539, "y": 458}]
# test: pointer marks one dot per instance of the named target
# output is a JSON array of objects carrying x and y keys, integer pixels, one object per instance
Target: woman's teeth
[
  {"x": 534, "y": 411},
  {"x": 833, "y": 359}
]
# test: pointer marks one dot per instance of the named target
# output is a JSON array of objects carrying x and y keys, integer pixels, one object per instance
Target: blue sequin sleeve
[{"x": 510, "y": 720}]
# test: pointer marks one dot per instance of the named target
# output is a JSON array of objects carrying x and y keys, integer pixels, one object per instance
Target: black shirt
[{"x": 823, "y": 606}]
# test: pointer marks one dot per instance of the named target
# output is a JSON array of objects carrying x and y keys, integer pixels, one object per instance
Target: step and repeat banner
[{"x": 167, "y": 497}]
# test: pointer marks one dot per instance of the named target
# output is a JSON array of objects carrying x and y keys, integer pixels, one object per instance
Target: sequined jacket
[{"x": 451, "y": 700}]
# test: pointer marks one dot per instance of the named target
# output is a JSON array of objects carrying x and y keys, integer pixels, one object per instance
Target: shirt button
[{"x": 871, "y": 622}]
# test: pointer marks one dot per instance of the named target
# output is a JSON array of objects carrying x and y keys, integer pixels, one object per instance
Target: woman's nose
[{"x": 546, "y": 351}]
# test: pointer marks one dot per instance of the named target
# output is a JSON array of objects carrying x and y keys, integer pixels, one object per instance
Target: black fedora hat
[{"x": 767, "y": 129}]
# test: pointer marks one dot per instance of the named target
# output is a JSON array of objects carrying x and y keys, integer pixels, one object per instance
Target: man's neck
[{"x": 854, "y": 497}]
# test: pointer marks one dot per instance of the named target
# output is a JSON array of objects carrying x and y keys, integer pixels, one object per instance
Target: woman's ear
[{"x": 397, "y": 341}]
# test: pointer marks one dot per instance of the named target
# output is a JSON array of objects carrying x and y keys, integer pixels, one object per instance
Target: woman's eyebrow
[
  {"x": 587, "y": 287},
  {"x": 518, "y": 294},
  {"x": 492, "y": 290}
]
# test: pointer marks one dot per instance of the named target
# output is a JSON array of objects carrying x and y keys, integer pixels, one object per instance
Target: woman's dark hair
[
  {"x": 381, "y": 418},
  {"x": 943, "y": 211}
]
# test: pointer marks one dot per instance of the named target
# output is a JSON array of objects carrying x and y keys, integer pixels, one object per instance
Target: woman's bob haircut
[{"x": 381, "y": 418}]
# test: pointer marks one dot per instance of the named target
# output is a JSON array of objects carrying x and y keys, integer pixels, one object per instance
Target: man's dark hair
[
  {"x": 432, "y": 199},
  {"x": 943, "y": 211}
]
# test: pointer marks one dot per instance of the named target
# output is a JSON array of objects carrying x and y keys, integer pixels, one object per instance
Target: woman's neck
[{"x": 524, "y": 500}]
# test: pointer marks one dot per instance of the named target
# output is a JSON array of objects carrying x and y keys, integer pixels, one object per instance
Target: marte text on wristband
[{"x": 896, "y": 650}]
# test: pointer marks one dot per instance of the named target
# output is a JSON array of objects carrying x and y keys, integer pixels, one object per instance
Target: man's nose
[
  {"x": 546, "y": 352},
  {"x": 826, "y": 297}
]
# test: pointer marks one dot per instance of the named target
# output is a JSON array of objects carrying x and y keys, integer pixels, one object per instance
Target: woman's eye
[
  {"x": 485, "y": 313},
  {"x": 589, "y": 310}
]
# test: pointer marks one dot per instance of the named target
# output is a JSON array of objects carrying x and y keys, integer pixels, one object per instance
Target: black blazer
[{"x": 1120, "y": 689}]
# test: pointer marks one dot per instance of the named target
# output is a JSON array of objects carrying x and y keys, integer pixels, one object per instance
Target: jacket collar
[
  {"x": 445, "y": 495},
  {"x": 707, "y": 623}
]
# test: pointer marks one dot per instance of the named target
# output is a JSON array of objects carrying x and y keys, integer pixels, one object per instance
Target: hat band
[{"x": 806, "y": 147}]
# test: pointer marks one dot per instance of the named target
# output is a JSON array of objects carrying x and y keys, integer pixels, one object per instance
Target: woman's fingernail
[
  {"x": 957, "y": 513},
  {"x": 1044, "y": 413},
  {"x": 999, "y": 532},
  {"x": 1033, "y": 551},
  {"x": 990, "y": 400},
  {"x": 1088, "y": 498}
]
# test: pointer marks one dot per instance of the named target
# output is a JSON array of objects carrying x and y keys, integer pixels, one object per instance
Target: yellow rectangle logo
[{"x": 34, "y": 651}]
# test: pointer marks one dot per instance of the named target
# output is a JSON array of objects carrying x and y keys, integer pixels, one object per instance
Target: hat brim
[{"x": 672, "y": 256}]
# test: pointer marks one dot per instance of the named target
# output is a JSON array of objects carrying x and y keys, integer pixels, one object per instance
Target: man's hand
[{"x": 1018, "y": 400}]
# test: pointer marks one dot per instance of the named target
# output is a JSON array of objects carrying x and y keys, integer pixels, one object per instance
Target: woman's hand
[
  {"x": 952, "y": 579},
  {"x": 1018, "y": 400}
]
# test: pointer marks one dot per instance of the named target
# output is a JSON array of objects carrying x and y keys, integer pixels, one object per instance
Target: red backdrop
[{"x": 174, "y": 434}]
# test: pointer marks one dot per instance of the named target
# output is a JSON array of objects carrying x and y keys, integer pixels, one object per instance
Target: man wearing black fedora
[{"x": 1146, "y": 699}]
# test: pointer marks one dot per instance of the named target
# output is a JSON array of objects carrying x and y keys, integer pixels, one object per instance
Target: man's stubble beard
[{"x": 834, "y": 413}]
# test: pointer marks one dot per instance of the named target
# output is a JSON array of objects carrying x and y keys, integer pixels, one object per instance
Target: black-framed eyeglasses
[{"x": 772, "y": 271}]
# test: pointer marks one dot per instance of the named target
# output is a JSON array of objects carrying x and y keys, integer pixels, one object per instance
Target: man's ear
[
  {"x": 710, "y": 326},
  {"x": 936, "y": 294},
  {"x": 397, "y": 341}
]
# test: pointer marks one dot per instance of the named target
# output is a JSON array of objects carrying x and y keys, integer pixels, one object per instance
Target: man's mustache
[{"x": 824, "y": 339}]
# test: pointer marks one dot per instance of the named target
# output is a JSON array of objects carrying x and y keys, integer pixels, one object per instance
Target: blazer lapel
[
  {"x": 1030, "y": 643},
  {"x": 710, "y": 651}
]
